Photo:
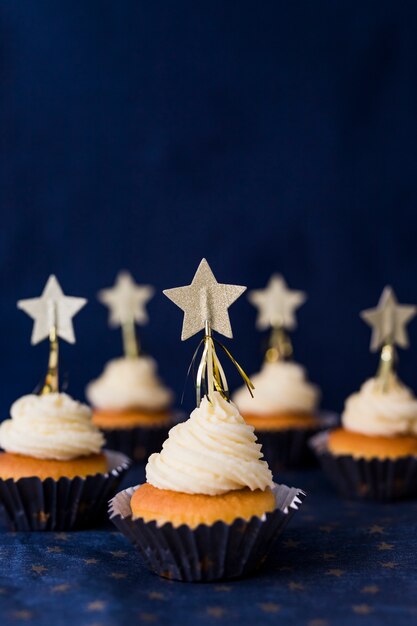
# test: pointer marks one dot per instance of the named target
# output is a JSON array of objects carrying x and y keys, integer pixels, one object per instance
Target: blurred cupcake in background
[
  {"x": 374, "y": 454},
  {"x": 131, "y": 404},
  {"x": 54, "y": 474},
  {"x": 284, "y": 409}
]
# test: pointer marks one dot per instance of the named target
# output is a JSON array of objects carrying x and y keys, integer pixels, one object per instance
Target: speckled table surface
[{"x": 338, "y": 562}]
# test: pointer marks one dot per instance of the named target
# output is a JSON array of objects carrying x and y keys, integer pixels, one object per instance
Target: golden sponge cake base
[
  {"x": 17, "y": 466},
  {"x": 113, "y": 420},
  {"x": 161, "y": 506},
  {"x": 281, "y": 421},
  {"x": 341, "y": 442}
]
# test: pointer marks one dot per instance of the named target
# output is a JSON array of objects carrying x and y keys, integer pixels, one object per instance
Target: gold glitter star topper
[
  {"x": 388, "y": 321},
  {"x": 276, "y": 306},
  {"x": 52, "y": 313},
  {"x": 126, "y": 302},
  {"x": 205, "y": 304}
]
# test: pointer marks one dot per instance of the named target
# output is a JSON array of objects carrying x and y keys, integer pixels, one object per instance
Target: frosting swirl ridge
[
  {"x": 279, "y": 387},
  {"x": 372, "y": 411},
  {"x": 52, "y": 426},
  {"x": 213, "y": 452},
  {"x": 128, "y": 383}
]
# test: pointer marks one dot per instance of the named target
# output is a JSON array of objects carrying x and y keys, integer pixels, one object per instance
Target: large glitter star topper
[
  {"x": 388, "y": 321},
  {"x": 276, "y": 306},
  {"x": 126, "y": 301},
  {"x": 206, "y": 307},
  {"x": 52, "y": 313}
]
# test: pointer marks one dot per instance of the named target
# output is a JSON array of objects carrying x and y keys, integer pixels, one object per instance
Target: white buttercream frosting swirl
[
  {"x": 279, "y": 387},
  {"x": 213, "y": 452},
  {"x": 128, "y": 383},
  {"x": 52, "y": 426},
  {"x": 374, "y": 411}
]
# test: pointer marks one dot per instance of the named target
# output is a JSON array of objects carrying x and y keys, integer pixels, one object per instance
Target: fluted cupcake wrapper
[
  {"x": 32, "y": 504},
  {"x": 370, "y": 479},
  {"x": 206, "y": 553},
  {"x": 137, "y": 443},
  {"x": 140, "y": 442},
  {"x": 289, "y": 449}
]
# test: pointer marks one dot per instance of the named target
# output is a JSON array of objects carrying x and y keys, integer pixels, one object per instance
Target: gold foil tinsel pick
[
  {"x": 210, "y": 373},
  {"x": 386, "y": 365},
  {"x": 51, "y": 384},
  {"x": 131, "y": 346},
  {"x": 279, "y": 347}
]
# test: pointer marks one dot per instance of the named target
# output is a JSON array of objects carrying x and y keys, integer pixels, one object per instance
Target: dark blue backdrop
[{"x": 266, "y": 136}]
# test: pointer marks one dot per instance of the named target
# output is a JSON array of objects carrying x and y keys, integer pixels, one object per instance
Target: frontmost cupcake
[
  {"x": 209, "y": 508},
  {"x": 374, "y": 454},
  {"x": 53, "y": 473},
  {"x": 132, "y": 406},
  {"x": 284, "y": 409}
]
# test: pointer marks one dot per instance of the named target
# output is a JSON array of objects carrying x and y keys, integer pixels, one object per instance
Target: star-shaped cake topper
[
  {"x": 205, "y": 300},
  {"x": 388, "y": 321},
  {"x": 276, "y": 304},
  {"x": 126, "y": 300},
  {"x": 52, "y": 310}
]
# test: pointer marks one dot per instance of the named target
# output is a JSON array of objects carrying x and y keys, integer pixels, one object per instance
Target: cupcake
[
  {"x": 132, "y": 406},
  {"x": 53, "y": 472},
  {"x": 284, "y": 409},
  {"x": 374, "y": 453},
  {"x": 209, "y": 509}
]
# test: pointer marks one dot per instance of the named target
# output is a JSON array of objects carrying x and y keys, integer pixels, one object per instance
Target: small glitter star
[
  {"x": 269, "y": 607},
  {"x": 215, "y": 611},
  {"x": 22, "y": 615},
  {"x": 52, "y": 308},
  {"x": 149, "y": 618},
  {"x": 43, "y": 517},
  {"x": 276, "y": 304},
  {"x": 61, "y": 588},
  {"x": 156, "y": 595},
  {"x": 389, "y": 565},
  {"x": 205, "y": 300},
  {"x": 54, "y": 550},
  {"x": 370, "y": 589},
  {"x": 376, "y": 530},
  {"x": 90, "y": 561},
  {"x": 62, "y": 536},
  {"x": 285, "y": 568},
  {"x": 222, "y": 588},
  {"x": 39, "y": 569},
  {"x": 97, "y": 605},
  {"x": 326, "y": 529},
  {"x": 326, "y": 556},
  {"x": 126, "y": 300},
  {"x": 293, "y": 586},
  {"x": 388, "y": 320},
  {"x": 118, "y": 575},
  {"x": 118, "y": 554},
  {"x": 335, "y": 572},
  {"x": 385, "y": 546},
  {"x": 290, "y": 543},
  {"x": 362, "y": 609}
]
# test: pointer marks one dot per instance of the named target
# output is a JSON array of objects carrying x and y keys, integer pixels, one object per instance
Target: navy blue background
[{"x": 265, "y": 136}]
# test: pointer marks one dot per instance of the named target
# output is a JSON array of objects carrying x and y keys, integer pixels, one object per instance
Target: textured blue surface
[
  {"x": 339, "y": 563},
  {"x": 272, "y": 136}
]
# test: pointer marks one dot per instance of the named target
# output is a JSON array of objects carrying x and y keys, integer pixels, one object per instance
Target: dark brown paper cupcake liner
[
  {"x": 137, "y": 443},
  {"x": 206, "y": 553},
  {"x": 140, "y": 442},
  {"x": 289, "y": 449},
  {"x": 371, "y": 479},
  {"x": 30, "y": 504}
]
